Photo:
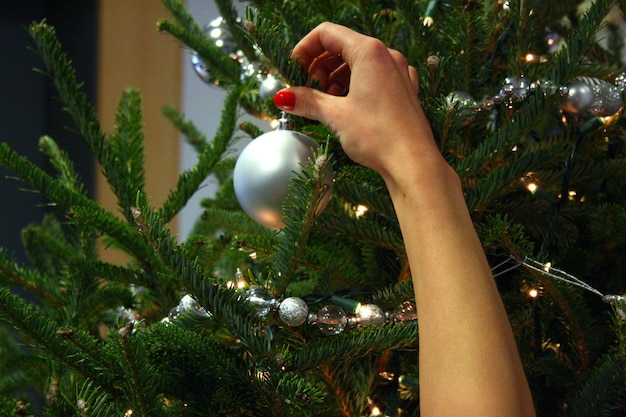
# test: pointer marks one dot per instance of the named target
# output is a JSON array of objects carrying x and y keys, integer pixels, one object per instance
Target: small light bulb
[
  {"x": 376, "y": 411},
  {"x": 547, "y": 266},
  {"x": 360, "y": 210},
  {"x": 532, "y": 187},
  {"x": 533, "y": 293}
]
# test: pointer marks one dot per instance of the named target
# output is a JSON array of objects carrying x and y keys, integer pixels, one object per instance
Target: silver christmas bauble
[
  {"x": 270, "y": 86},
  {"x": 218, "y": 33},
  {"x": 577, "y": 98},
  {"x": 264, "y": 169},
  {"x": 200, "y": 67},
  {"x": 293, "y": 311}
]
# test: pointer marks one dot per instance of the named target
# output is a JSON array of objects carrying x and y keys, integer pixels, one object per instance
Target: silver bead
[
  {"x": 293, "y": 311},
  {"x": 577, "y": 97}
]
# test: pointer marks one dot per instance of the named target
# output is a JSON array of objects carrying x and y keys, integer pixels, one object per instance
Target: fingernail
[{"x": 285, "y": 100}]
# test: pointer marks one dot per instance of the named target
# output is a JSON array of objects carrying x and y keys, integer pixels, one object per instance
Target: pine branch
[
  {"x": 74, "y": 101},
  {"x": 83, "y": 209},
  {"x": 350, "y": 185},
  {"x": 36, "y": 325},
  {"x": 140, "y": 378},
  {"x": 192, "y": 134},
  {"x": 189, "y": 182},
  {"x": 62, "y": 163},
  {"x": 276, "y": 46},
  {"x": 364, "y": 230},
  {"x": 222, "y": 67},
  {"x": 123, "y": 160},
  {"x": 602, "y": 390},
  {"x": 570, "y": 60},
  {"x": 11, "y": 274},
  {"x": 354, "y": 344},
  {"x": 300, "y": 208},
  {"x": 504, "y": 138}
]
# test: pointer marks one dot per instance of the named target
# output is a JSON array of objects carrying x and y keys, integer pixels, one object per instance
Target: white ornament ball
[
  {"x": 293, "y": 311},
  {"x": 264, "y": 169}
]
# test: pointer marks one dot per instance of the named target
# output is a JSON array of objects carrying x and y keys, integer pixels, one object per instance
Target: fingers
[
  {"x": 309, "y": 103},
  {"x": 326, "y": 38}
]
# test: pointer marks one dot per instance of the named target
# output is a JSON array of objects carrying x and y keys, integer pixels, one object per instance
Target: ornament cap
[{"x": 284, "y": 123}]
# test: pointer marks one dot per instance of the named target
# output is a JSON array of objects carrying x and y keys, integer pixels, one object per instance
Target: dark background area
[{"x": 28, "y": 105}]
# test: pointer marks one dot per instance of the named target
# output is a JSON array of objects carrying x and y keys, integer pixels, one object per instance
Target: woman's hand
[{"x": 380, "y": 120}]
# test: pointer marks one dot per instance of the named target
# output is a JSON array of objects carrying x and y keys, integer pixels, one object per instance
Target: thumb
[{"x": 307, "y": 102}]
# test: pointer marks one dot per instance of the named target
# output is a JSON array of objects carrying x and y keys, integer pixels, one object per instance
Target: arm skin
[{"x": 469, "y": 363}]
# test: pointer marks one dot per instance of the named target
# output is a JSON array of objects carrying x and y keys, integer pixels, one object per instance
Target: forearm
[{"x": 469, "y": 363}]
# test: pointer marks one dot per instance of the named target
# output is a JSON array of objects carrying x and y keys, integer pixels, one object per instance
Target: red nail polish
[{"x": 285, "y": 100}]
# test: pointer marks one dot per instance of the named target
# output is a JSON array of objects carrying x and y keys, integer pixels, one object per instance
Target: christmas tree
[{"x": 310, "y": 313}]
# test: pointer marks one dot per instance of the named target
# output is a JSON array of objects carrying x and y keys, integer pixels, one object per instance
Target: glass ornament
[
  {"x": 370, "y": 315},
  {"x": 514, "y": 89},
  {"x": 261, "y": 300},
  {"x": 331, "y": 320},
  {"x": 407, "y": 311},
  {"x": 189, "y": 304},
  {"x": 465, "y": 102}
]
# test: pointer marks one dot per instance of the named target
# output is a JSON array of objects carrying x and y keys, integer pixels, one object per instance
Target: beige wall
[{"x": 132, "y": 53}]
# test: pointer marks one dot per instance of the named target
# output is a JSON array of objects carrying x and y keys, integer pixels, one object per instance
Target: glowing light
[
  {"x": 532, "y": 187},
  {"x": 514, "y": 148},
  {"x": 571, "y": 195},
  {"x": 274, "y": 124},
  {"x": 533, "y": 293},
  {"x": 360, "y": 210},
  {"x": 547, "y": 266},
  {"x": 240, "y": 280},
  {"x": 376, "y": 411},
  {"x": 428, "y": 21},
  {"x": 128, "y": 413}
]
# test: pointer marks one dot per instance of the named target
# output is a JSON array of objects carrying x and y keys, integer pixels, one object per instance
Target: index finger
[{"x": 326, "y": 37}]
